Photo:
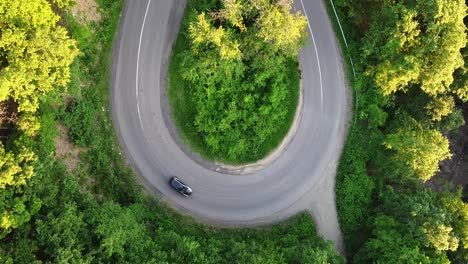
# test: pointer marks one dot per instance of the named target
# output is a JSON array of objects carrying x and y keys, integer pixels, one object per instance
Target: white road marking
[
  {"x": 316, "y": 54},
  {"x": 138, "y": 64}
]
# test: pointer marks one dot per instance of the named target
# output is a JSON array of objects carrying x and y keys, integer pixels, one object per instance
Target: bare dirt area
[
  {"x": 86, "y": 11},
  {"x": 65, "y": 150}
]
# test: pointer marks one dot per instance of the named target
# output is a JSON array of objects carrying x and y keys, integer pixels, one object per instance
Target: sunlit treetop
[
  {"x": 418, "y": 45},
  {"x": 35, "y": 55},
  {"x": 270, "y": 22}
]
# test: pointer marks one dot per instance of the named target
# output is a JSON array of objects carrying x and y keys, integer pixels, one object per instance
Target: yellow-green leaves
[
  {"x": 16, "y": 14},
  {"x": 445, "y": 35},
  {"x": 418, "y": 148},
  {"x": 233, "y": 13},
  {"x": 418, "y": 46},
  {"x": 440, "y": 107},
  {"x": 15, "y": 168},
  {"x": 440, "y": 236},
  {"x": 396, "y": 34},
  {"x": 38, "y": 62},
  {"x": 285, "y": 31},
  {"x": 28, "y": 123},
  {"x": 36, "y": 55},
  {"x": 202, "y": 32},
  {"x": 271, "y": 24}
]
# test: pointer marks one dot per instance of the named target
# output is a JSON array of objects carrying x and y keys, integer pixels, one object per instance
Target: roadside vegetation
[
  {"x": 410, "y": 60},
  {"x": 234, "y": 77},
  {"x": 95, "y": 212}
]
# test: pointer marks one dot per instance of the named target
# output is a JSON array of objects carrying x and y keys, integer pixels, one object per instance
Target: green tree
[
  {"x": 391, "y": 245},
  {"x": 419, "y": 148},
  {"x": 419, "y": 227},
  {"x": 122, "y": 234},
  {"x": 203, "y": 32},
  {"x": 417, "y": 45},
  {"x": 15, "y": 167},
  {"x": 285, "y": 31},
  {"x": 275, "y": 22},
  {"x": 234, "y": 13},
  {"x": 240, "y": 75},
  {"x": 36, "y": 55},
  {"x": 61, "y": 234}
]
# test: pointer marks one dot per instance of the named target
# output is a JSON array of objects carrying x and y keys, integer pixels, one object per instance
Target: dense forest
[
  {"x": 410, "y": 61},
  {"x": 85, "y": 206},
  {"x": 234, "y": 76}
]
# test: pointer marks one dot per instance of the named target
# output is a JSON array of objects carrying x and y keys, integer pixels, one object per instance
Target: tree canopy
[
  {"x": 240, "y": 76},
  {"x": 35, "y": 58},
  {"x": 421, "y": 227},
  {"x": 35, "y": 55},
  {"x": 419, "y": 148},
  {"x": 410, "y": 61},
  {"x": 417, "y": 44}
]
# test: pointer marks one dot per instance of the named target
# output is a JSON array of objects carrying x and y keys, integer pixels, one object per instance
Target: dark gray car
[{"x": 180, "y": 186}]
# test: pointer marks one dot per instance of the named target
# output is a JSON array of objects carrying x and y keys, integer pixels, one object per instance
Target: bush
[
  {"x": 80, "y": 117},
  {"x": 354, "y": 190}
]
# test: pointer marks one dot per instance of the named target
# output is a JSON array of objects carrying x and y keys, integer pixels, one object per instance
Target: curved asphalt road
[{"x": 302, "y": 178}]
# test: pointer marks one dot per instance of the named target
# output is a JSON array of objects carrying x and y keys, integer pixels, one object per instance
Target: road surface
[{"x": 301, "y": 178}]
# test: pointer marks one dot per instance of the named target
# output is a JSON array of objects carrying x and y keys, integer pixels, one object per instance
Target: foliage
[
  {"x": 15, "y": 168},
  {"x": 410, "y": 74},
  {"x": 440, "y": 107},
  {"x": 419, "y": 148},
  {"x": 64, "y": 3},
  {"x": 60, "y": 234},
  {"x": 35, "y": 55},
  {"x": 278, "y": 26},
  {"x": 451, "y": 122},
  {"x": 354, "y": 189},
  {"x": 460, "y": 84},
  {"x": 417, "y": 45},
  {"x": 418, "y": 227},
  {"x": 81, "y": 120},
  {"x": 203, "y": 32},
  {"x": 234, "y": 77},
  {"x": 273, "y": 22}
]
